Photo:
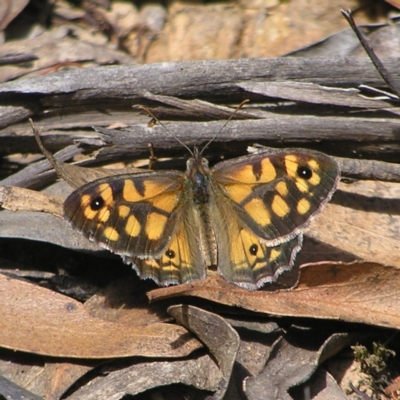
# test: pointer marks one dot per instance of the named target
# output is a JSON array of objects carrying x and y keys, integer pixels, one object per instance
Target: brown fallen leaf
[
  {"x": 357, "y": 292},
  {"x": 253, "y": 353},
  {"x": 57, "y": 377},
  {"x": 124, "y": 301},
  {"x": 53, "y": 48},
  {"x": 55, "y": 325},
  {"x": 363, "y": 219}
]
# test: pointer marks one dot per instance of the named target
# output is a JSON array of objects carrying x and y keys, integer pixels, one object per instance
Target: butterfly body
[{"x": 245, "y": 216}]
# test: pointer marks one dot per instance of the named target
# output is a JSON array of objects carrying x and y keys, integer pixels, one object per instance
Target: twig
[{"x": 385, "y": 74}]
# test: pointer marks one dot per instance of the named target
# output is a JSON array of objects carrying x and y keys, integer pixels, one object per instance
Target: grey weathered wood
[
  {"x": 287, "y": 108},
  {"x": 197, "y": 78}
]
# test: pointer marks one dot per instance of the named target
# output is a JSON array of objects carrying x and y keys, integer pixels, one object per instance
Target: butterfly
[{"x": 245, "y": 215}]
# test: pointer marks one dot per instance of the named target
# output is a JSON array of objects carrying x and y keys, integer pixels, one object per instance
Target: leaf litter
[{"x": 114, "y": 337}]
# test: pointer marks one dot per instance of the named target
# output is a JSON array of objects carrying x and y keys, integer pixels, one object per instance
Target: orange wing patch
[
  {"x": 257, "y": 210},
  {"x": 262, "y": 171},
  {"x": 146, "y": 190},
  {"x": 155, "y": 225},
  {"x": 179, "y": 263},
  {"x": 133, "y": 226}
]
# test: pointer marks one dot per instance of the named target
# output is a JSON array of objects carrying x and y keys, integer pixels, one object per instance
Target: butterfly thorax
[
  {"x": 198, "y": 184},
  {"x": 198, "y": 174}
]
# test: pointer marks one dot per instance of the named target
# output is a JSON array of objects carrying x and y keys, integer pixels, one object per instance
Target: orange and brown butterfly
[{"x": 245, "y": 215}]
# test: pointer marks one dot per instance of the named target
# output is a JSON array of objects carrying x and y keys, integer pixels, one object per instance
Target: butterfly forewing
[
  {"x": 276, "y": 194},
  {"x": 133, "y": 215}
]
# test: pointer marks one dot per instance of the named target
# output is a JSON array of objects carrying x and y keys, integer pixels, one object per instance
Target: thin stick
[
  {"x": 385, "y": 74},
  {"x": 165, "y": 127},
  {"x": 152, "y": 158}
]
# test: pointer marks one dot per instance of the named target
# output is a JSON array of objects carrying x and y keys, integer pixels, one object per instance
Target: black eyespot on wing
[
  {"x": 253, "y": 249},
  {"x": 170, "y": 254},
  {"x": 97, "y": 203},
  {"x": 304, "y": 172}
]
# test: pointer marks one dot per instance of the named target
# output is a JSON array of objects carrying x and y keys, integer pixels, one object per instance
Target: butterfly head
[{"x": 197, "y": 164}]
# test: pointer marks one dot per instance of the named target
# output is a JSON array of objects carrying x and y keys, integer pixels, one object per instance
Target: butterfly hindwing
[
  {"x": 182, "y": 261},
  {"x": 254, "y": 263},
  {"x": 243, "y": 257}
]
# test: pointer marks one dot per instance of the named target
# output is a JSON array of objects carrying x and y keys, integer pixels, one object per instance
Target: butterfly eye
[
  {"x": 97, "y": 203},
  {"x": 170, "y": 253},
  {"x": 253, "y": 249},
  {"x": 304, "y": 172}
]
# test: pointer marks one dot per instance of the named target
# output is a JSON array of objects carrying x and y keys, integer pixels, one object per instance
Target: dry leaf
[
  {"x": 55, "y": 49},
  {"x": 200, "y": 372},
  {"x": 304, "y": 354},
  {"x": 9, "y": 10},
  {"x": 43, "y": 227},
  {"x": 20, "y": 199},
  {"x": 363, "y": 219},
  {"x": 322, "y": 386},
  {"x": 52, "y": 324},
  {"x": 221, "y": 339},
  {"x": 57, "y": 377},
  {"x": 357, "y": 292},
  {"x": 11, "y": 391},
  {"x": 124, "y": 301}
]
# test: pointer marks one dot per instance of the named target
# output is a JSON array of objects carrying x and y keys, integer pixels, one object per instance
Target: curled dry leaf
[
  {"x": 201, "y": 373},
  {"x": 43, "y": 227},
  {"x": 357, "y": 292},
  {"x": 322, "y": 386},
  {"x": 58, "y": 377},
  {"x": 37, "y": 320},
  {"x": 303, "y": 347},
  {"x": 221, "y": 339}
]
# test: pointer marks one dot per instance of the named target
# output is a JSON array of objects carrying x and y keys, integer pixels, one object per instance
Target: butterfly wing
[
  {"x": 143, "y": 218},
  {"x": 243, "y": 257},
  {"x": 128, "y": 214},
  {"x": 183, "y": 260},
  {"x": 277, "y": 193},
  {"x": 263, "y": 201}
]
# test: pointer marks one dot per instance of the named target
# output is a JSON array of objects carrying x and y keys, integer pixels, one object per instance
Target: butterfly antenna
[
  {"x": 165, "y": 127},
  {"x": 224, "y": 125}
]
